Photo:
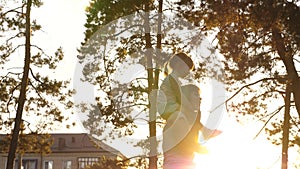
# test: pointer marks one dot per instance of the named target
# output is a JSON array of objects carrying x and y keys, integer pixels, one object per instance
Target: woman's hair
[
  {"x": 174, "y": 60},
  {"x": 183, "y": 57}
]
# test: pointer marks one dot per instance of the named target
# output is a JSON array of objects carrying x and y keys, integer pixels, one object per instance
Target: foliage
[
  {"x": 34, "y": 142},
  {"x": 260, "y": 42},
  {"x": 100, "y": 13},
  {"x": 25, "y": 89},
  {"x": 29, "y": 143},
  {"x": 46, "y": 97}
]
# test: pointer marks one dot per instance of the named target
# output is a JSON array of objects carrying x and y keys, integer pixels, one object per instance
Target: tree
[
  {"x": 35, "y": 142},
  {"x": 119, "y": 34},
  {"x": 21, "y": 100},
  {"x": 109, "y": 12},
  {"x": 27, "y": 90},
  {"x": 260, "y": 41}
]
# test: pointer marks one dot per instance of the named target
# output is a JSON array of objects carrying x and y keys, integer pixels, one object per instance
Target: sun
[
  {"x": 225, "y": 154},
  {"x": 236, "y": 149}
]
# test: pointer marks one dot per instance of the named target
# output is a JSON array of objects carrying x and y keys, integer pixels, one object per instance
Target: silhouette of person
[
  {"x": 169, "y": 99},
  {"x": 181, "y": 132}
]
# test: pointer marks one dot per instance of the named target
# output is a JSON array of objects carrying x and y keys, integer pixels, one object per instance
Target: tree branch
[
  {"x": 35, "y": 90},
  {"x": 15, "y": 36},
  {"x": 40, "y": 49},
  {"x": 272, "y": 115},
  {"x": 296, "y": 60},
  {"x": 35, "y": 78},
  {"x": 13, "y": 50},
  {"x": 117, "y": 34},
  {"x": 13, "y": 73},
  {"x": 237, "y": 92},
  {"x": 10, "y": 98},
  {"x": 13, "y": 10}
]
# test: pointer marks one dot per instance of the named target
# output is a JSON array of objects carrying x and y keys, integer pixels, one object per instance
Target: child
[
  {"x": 180, "y": 134},
  {"x": 169, "y": 99}
]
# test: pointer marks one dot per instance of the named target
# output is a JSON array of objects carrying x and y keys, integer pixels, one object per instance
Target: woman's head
[{"x": 181, "y": 64}]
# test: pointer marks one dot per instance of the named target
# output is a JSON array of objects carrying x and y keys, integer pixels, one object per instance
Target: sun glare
[{"x": 236, "y": 149}]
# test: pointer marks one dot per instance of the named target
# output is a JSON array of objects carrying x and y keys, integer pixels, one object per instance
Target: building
[{"x": 68, "y": 151}]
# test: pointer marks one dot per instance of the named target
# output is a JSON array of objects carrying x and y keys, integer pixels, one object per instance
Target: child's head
[
  {"x": 181, "y": 64},
  {"x": 190, "y": 97}
]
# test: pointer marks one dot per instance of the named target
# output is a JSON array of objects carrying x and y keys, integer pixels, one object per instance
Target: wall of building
[
  {"x": 3, "y": 161},
  {"x": 58, "y": 159}
]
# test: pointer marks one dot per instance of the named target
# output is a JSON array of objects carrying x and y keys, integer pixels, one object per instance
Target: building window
[
  {"x": 67, "y": 164},
  {"x": 27, "y": 164},
  {"x": 87, "y": 161},
  {"x": 48, "y": 165}
]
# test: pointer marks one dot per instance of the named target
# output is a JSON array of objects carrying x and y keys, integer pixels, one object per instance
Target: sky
[{"x": 62, "y": 25}]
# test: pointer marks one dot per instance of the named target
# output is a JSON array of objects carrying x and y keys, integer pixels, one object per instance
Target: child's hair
[{"x": 183, "y": 57}]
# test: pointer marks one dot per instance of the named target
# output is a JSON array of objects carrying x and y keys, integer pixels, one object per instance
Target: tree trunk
[
  {"x": 22, "y": 96},
  {"x": 152, "y": 110},
  {"x": 159, "y": 22},
  {"x": 286, "y": 128},
  {"x": 289, "y": 65}
]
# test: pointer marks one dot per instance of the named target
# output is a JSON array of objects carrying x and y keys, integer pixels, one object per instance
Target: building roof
[{"x": 77, "y": 143}]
